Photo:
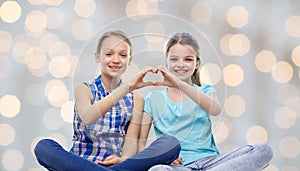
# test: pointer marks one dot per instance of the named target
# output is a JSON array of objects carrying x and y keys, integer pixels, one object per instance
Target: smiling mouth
[
  {"x": 180, "y": 71},
  {"x": 114, "y": 67}
]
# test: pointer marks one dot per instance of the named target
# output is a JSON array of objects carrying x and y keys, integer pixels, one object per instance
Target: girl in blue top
[
  {"x": 107, "y": 120},
  {"x": 183, "y": 110}
]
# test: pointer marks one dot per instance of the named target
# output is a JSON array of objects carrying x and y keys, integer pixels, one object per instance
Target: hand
[
  {"x": 138, "y": 81},
  {"x": 169, "y": 79},
  {"x": 177, "y": 161},
  {"x": 110, "y": 161}
]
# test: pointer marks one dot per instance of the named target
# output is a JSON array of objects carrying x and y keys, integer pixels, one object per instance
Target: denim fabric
[
  {"x": 247, "y": 158},
  {"x": 52, "y": 156}
]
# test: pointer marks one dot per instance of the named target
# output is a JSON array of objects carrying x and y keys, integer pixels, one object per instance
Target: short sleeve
[
  {"x": 147, "y": 105},
  {"x": 208, "y": 89}
]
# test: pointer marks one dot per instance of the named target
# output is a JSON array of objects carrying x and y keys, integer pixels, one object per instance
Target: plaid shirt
[{"x": 106, "y": 136}]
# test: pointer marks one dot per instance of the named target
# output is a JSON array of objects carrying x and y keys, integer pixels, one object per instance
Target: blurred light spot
[
  {"x": 257, "y": 134},
  {"x": 35, "y": 58},
  {"x": 61, "y": 139},
  {"x": 233, "y": 75},
  {"x": 53, "y": 2},
  {"x": 10, "y": 12},
  {"x": 202, "y": 13},
  {"x": 265, "y": 61},
  {"x": 39, "y": 72},
  {"x": 210, "y": 73},
  {"x": 59, "y": 67},
  {"x": 270, "y": 167},
  {"x": 239, "y": 44},
  {"x": 73, "y": 60},
  {"x": 13, "y": 160},
  {"x": 154, "y": 31},
  {"x": 47, "y": 40},
  {"x": 285, "y": 91},
  {"x": 282, "y": 72},
  {"x": 285, "y": 117},
  {"x": 224, "y": 44},
  {"x": 140, "y": 7},
  {"x": 290, "y": 168},
  {"x": 296, "y": 56},
  {"x": 10, "y": 106},
  {"x": 36, "y": 21},
  {"x": 81, "y": 29},
  {"x": 59, "y": 49},
  {"x": 5, "y": 67},
  {"x": 33, "y": 94},
  {"x": 19, "y": 51},
  {"x": 56, "y": 93},
  {"x": 6, "y": 41},
  {"x": 67, "y": 111},
  {"x": 221, "y": 133},
  {"x": 234, "y": 106},
  {"x": 52, "y": 119},
  {"x": 34, "y": 143},
  {"x": 293, "y": 102},
  {"x": 36, "y": 2},
  {"x": 292, "y": 26},
  {"x": 289, "y": 147},
  {"x": 85, "y": 8},
  {"x": 55, "y": 18},
  {"x": 7, "y": 134},
  {"x": 237, "y": 17}
]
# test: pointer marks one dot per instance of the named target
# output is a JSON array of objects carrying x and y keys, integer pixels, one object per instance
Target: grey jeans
[{"x": 247, "y": 158}]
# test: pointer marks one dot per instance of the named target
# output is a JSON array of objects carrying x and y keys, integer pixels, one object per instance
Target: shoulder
[
  {"x": 206, "y": 88},
  {"x": 83, "y": 89}
]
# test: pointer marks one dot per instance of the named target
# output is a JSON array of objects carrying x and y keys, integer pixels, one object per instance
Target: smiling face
[
  {"x": 182, "y": 61},
  {"x": 114, "y": 56}
]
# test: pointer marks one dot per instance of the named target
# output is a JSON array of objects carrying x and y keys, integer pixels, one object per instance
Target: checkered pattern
[{"x": 106, "y": 136}]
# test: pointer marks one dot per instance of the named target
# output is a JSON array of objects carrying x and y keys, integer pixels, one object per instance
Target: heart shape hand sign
[{"x": 168, "y": 79}]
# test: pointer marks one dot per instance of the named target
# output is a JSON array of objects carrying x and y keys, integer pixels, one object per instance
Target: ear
[
  {"x": 97, "y": 57},
  {"x": 130, "y": 60},
  {"x": 198, "y": 63}
]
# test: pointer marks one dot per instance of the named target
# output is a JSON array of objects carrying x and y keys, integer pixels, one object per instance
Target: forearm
[
  {"x": 206, "y": 102},
  {"x": 130, "y": 148},
  {"x": 97, "y": 110}
]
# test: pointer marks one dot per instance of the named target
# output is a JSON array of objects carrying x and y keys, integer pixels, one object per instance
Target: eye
[
  {"x": 108, "y": 54},
  {"x": 124, "y": 55}
]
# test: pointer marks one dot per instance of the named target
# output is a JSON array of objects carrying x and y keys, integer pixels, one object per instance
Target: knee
[
  {"x": 41, "y": 147},
  {"x": 171, "y": 141},
  {"x": 160, "y": 167},
  {"x": 265, "y": 151}
]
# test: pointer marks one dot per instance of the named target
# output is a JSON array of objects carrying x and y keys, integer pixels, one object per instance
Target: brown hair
[
  {"x": 186, "y": 39},
  {"x": 117, "y": 33}
]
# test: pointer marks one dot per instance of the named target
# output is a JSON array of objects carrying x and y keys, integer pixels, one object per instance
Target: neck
[{"x": 110, "y": 83}]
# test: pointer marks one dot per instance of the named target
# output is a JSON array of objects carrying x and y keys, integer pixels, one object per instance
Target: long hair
[
  {"x": 117, "y": 33},
  {"x": 186, "y": 39}
]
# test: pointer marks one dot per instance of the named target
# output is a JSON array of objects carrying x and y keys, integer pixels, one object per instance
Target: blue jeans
[
  {"x": 52, "y": 156},
  {"x": 247, "y": 158}
]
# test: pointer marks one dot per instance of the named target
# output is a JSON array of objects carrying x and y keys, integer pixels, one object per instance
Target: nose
[
  {"x": 116, "y": 58},
  {"x": 180, "y": 64}
]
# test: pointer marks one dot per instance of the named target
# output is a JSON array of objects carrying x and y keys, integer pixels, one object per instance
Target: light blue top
[{"x": 187, "y": 121}]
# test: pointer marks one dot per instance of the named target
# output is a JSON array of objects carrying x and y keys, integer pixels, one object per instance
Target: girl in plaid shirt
[{"x": 107, "y": 119}]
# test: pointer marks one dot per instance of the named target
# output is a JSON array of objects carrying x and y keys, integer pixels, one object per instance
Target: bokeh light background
[{"x": 253, "y": 61}]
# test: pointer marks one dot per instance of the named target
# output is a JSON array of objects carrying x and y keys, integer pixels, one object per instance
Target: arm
[
  {"x": 131, "y": 143},
  {"x": 145, "y": 128},
  {"x": 209, "y": 103},
  {"x": 90, "y": 113}
]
